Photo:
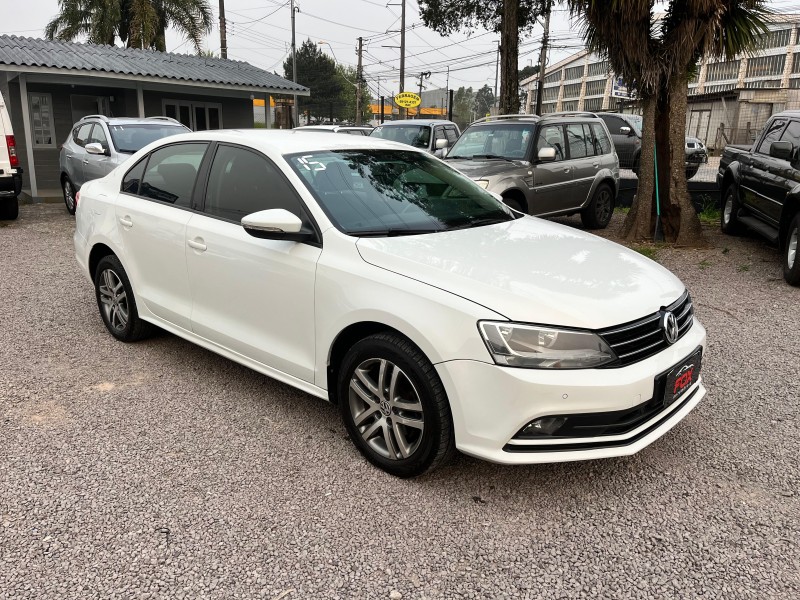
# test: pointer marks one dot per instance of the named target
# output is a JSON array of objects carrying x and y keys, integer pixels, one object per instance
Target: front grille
[{"x": 640, "y": 339}]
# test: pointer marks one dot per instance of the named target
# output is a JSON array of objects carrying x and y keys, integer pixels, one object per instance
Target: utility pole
[
  {"x": 496, "y": 73},
  {"x": 543, "y": 57},
  {"x": 295, "y": 108},
  {"x": 403, "y": 54},
  {"x": 223, "y": 34},
  {"x": 359, "y": 78},
  {"x": 423, "y": 75}
]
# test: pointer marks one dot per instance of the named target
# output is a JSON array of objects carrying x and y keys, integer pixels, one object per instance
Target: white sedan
[{"x": 376, "y": 277}]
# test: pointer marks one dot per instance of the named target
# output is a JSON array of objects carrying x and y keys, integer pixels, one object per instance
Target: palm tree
[
  {"x": 138, "y": 23},
  {"x": 658, "y": 54}
]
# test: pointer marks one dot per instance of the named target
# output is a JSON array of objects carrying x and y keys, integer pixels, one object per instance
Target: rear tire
[
  {"x": 9, "y": 209},
  {"x": 116, "y": 302},
  {"x": 729, "y": 222},
  {"x": 68, "y": 190},
  {"x": 598, "y": 213},
  {"x": 791, "y": 259},
  {"x": 394, "y": 406}
]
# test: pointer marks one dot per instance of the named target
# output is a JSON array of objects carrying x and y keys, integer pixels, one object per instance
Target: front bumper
[{"x": 490, "y": 404}]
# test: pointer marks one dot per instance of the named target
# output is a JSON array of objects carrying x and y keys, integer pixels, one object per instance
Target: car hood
[
  {"x": 476, "y": 169},
  {"x": 533, "y": 271}
]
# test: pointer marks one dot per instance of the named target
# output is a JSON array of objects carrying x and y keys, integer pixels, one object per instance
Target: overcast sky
[{"x": 260, "y": 33}]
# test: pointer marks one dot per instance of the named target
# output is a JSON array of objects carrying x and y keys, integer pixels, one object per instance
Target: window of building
[
  {"x": 721, "y": 71},
  {"x": 197, "y": 116},
  {"x": 242, "y": 182},
  {"x": 572, "y": 90},
  {"x": 550, "y": 94},
  {"x": 573, "y": 73},
  {"x": 761, "y": 66},
  {"x": 596, "y": 88},
  {"x": 42, "y": 127},
  {"x": 598, "y": 68},
  {"x": 763, "y": 83},
  {"x": 593, "y": 104},
  {"x": 171, "y": 173},
  {"x": 548, "y": 108},
  {"x": 553, "y": 77},
  {"x": 568, "y": 106},
  {"x": 794, "y": 83},
  {"x": 796, "y": 59},
  {"x": 775, "y": 39}
]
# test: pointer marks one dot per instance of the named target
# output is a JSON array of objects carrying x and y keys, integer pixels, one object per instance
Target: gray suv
[
  {"x": 97, "y": 144},
  {"x": 433, "y": 135},
  {"x": 558, "y": 164}
]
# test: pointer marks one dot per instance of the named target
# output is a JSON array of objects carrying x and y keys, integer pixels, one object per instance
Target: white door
[
  {"x": 151, "y": 216},
  {"x": 252, "y": 296}
]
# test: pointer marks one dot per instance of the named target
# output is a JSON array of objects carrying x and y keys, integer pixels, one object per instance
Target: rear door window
[
  {"x": 602, "y": 143},
  {"x": 171, "y": 173},
  {"x": 577, "y": 141}
]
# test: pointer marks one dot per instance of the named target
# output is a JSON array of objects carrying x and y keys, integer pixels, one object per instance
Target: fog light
[{"x": 544, "y": 426}]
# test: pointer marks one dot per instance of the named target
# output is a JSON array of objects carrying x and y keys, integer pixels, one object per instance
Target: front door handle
[
  {"x": 197, "y": 244},
  {"x": 595, "y": 165},
  {"x": 126, "y": 221},
  {"x": 86, "y": 161}
]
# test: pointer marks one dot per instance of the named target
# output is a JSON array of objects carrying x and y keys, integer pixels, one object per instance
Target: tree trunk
[
  {"x": 681, "y": 223},
  {"x": 639, "y": 222},
  {"x": 509, "y": 54}
]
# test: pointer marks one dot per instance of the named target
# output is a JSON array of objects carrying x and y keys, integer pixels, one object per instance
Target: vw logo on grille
[{"x": 670, "y": 326}]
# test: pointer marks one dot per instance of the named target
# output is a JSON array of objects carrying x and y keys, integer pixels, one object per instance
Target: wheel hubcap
[
  {"x": 386, "y": 409},
  {"x": 68, "y": 195},
  {"x": 791, "y": 254},
  {"x": 114, "y": 300},
  {"x": 603, "y": 206},
  {"x": 728, "y": 209}
]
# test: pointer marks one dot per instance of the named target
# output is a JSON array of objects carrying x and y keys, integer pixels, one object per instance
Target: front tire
[
  {"x": 791, "y": 259},
  {"x": 68, "y": 190},
  {"x": 9, "y": 209},
  {"x": 394, "y": 406},
  {"x": 729, "y": 222},
  {"x": 116, "y": 302},
  {"x": 598, "y": 213}
]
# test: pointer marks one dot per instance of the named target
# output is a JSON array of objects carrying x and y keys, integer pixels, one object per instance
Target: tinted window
[
  {"x": 451, "y": 134},
  {"x": 602, "y": 143},
  {"x": 773, "y": 133},
  {"x": 242, "y": 182},
  {"x": 132, "y": 179},
  {"x": 130, "y": 138},
  {"x": 82, "y": 134},
  {"x": 577, "y": 141},
  {"x": 98, "y": 136},
  {"x": 418, "y": 136},
  {"x": 392, "y": 192},
  {"x": 551, "y": 136},
  {"x": 171, "y": 173},
  {"x": 439, "y": 134},
  {"x": 792, "y": 134},
  {"x": 614, "y": 123}
]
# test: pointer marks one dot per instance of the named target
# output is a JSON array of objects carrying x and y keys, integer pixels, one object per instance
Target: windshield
[
  {"x": 418, "y": 136},
  {"x": 130, "y": 138},
  {"x": 636, "y": 121},
  {"x": 394, "y": 192},
  {"x": 497, "y": 140}
]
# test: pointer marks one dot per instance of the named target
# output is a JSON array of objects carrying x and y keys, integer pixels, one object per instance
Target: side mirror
[
  {"x": 275, "y": 224},
  {"x": 547, "y": 154},
  {"x": 781, "y": 149},
  {"x": 441, "y": 144},
  {"x": 625, "y": 130},
  {"x": 95, "y": 148}
]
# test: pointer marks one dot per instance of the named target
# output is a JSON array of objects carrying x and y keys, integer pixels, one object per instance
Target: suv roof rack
[
  {"x": 572, "y": 113},
  {"x": 505, "y": 118},
  {"x": 101, "y": 117},
  {"x": 170, "y": 119}
]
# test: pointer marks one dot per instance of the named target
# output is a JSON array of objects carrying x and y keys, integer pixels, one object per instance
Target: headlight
[
  {"x": 482, "y": 182},
  {"x": 538, "y": 347}
]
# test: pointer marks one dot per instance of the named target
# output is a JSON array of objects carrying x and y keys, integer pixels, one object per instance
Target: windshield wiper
[
  {"x": 491, "y": 157},
  {"x": 391, "y": 232},
  {"x": 480, "y": 223}
]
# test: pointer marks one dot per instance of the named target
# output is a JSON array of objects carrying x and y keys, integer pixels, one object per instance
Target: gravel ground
[{"x": 160, "y": 470}]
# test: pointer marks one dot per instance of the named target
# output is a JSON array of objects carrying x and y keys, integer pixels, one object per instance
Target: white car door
[
  {"x": 250, "y": 295},
  {"x": 152, "y": 212}
]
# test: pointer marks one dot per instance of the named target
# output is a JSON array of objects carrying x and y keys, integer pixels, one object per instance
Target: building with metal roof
[{"x": 49, "y": 85}]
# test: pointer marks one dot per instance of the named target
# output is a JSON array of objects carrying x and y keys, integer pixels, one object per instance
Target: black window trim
[
  {"x": 146, "y": 160},
  {"x": 204, "y": 174}
]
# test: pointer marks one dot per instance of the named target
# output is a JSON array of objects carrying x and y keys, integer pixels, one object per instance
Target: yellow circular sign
[{"x": 407, "y": 100}]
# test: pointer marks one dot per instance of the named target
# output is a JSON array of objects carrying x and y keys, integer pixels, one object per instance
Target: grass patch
[
  {"x": 622, "y": 210},
  {"x": 704, "y": 264},
  {"x": 649, "y": 251},
  {"x": 709, "y": 214},
  {"x": 744, "y": 268}
]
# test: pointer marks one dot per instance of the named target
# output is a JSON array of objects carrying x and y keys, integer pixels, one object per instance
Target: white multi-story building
[{"x": 729, "y": 101}]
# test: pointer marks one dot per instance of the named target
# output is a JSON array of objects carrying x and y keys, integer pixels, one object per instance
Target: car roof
[
  {"x": 288, "y": 141},
  {"x": 418, "y": 122},
  {"x": 133, "y": 120}
]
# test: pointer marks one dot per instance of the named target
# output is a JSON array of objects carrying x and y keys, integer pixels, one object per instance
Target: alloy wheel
[
  {"x": 114, "y": 300},
  {"x": 602, "y": 209},
  {"x": 386, "y": 409},
  {"x": 791, "y": 254},
  {"x": 728, "y": 210},
  {"x": 69, "y": 195}
]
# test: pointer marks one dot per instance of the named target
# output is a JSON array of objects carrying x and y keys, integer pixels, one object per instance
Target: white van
[{"x": 10, "y": 171}]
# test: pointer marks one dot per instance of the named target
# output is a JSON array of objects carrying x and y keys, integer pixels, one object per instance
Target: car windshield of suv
[
  {"x": 496, "y": 140},
  {"x": 418, "y": 136},
  {"x": 636, "y": 121},
  {"x": 130, "y": 138},
  {"x": 394, "y": 192}
]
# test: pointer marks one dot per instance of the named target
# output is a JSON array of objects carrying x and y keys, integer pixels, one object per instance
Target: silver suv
[
  {"x": 559, "y": 164},
  {"x": 97, "y": 144},
  {"x": 433, "y": 135}
]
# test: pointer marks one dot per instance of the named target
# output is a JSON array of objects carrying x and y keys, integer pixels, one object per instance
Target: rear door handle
[
  {"x": 86, "y": 161},
  {"x": 126, "y": 221},
  {"x": 595, "y": 165},
  {"x": 197, "y": 244}
]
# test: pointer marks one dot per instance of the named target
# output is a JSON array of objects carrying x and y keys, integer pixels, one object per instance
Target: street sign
[{"x": 407, "y": 100}]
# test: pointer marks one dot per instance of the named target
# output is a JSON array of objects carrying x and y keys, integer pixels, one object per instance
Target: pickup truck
[
  {"x": 760, "y": 188},
  {"x": 10, "y": 171}
]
